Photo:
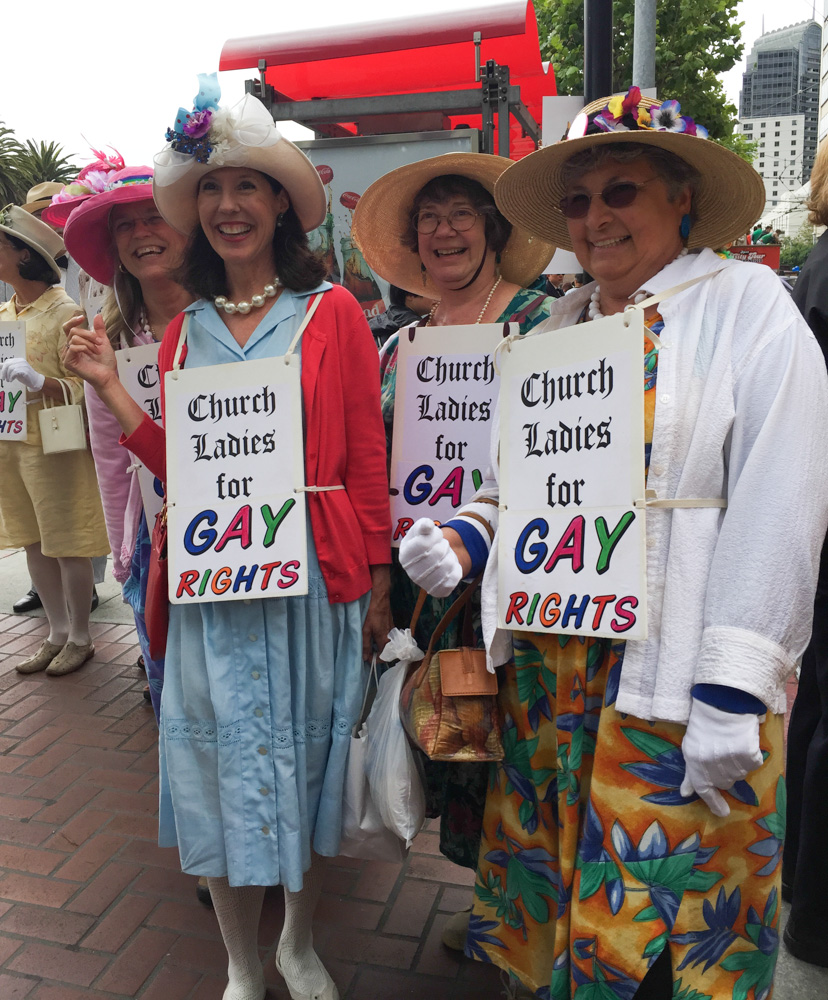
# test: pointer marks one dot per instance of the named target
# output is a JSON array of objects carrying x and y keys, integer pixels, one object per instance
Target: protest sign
[
  {"x": 443, "y": 407},
  {"x": 571, "y": 550},
  {"x": 12, "y": 393},
  {"x": 138, "y": 372},
  {"x": 235, "y": 477}
]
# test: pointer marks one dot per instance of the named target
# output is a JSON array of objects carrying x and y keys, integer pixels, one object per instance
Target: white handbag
[{"x": 62, "y": 427}]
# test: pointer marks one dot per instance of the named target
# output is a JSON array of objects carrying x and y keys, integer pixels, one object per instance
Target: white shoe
[{"x": 325, "y": 991}]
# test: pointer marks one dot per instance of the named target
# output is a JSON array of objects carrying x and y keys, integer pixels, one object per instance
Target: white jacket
[{"x": 741, "y": 412}]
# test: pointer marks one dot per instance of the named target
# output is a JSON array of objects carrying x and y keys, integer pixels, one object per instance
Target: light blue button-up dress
[{"x": 259, "y": 696}]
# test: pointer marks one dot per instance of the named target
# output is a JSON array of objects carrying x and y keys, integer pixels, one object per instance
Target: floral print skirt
[{"x": 591, "y": 863}]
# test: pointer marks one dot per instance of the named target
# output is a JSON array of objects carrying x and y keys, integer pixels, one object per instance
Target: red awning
[{"x": 401, "y": 56}]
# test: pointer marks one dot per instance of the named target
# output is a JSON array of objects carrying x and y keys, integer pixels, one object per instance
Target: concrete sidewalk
[{"x": 92, "y": 909}]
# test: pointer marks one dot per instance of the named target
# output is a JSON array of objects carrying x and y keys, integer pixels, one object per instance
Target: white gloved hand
[
  {"x": 720, "y": 748},
  {"x": 429, "y": 560},
  {"x": 19, "y": 370}
]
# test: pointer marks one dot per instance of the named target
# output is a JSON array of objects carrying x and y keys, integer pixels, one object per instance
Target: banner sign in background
[
  {"x": 443, "y": 407},
  {"x": 12, "y": 394},
  {"x": 138, "y": 372},
  {"x": 235, "y": 473},
  {"x": 571, "y": 540}
]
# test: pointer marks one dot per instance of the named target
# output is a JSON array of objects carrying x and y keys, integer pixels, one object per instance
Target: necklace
[
  {"x": 594, "y": 310},
  {"x": 268, "y": 292},
  {"x": 143, "y": 322},
  {"x": 482, "y": 312}
]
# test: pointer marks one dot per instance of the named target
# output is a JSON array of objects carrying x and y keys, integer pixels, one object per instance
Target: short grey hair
[{"x": 676, "y": 173}]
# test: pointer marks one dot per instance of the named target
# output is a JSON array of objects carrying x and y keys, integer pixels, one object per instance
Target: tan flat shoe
[
  {"x": 39, "y": 660},
  {"x": 70, "y": 658}
]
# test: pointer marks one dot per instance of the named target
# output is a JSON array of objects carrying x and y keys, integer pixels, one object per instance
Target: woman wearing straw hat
[
  {"x": 633, "y": 835},
  {"x": 49, "y": 504},
  {"x": 432, "y": 227},
  {"x": 281, "y": 677},
  {"x": 119, "y": 238}
]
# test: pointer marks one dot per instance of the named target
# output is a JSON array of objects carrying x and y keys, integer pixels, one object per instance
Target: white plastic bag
[
  {"x": 364, "y": 835},
  {"x": 389, "y": 763}
]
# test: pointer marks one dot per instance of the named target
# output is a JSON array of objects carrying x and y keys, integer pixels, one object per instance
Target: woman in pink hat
[{"x": 119, "y": 238}]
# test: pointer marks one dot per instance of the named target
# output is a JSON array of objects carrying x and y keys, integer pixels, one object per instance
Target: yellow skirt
[
  {"x": 591, "y": 862},
  {"x": 53, "y": 499}
]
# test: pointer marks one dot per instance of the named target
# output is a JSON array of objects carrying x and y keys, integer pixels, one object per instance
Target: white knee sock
[
  {"x": 77, "y": 576},
  {"x": 45, "y": 574},
  {"x": 304, "y": 973},
  {"x": 238, "y": 909}
]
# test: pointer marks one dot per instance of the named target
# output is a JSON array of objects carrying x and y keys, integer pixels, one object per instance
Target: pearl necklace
[
  {"x": 482, "y": 312},
  {"x": 269, "y": 292},
  {"x": 594, "y": 310},
  {"x": 143, "y": 322}
]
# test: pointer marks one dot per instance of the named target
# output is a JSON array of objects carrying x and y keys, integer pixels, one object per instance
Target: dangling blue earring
[{"x": 685, "y": 226}]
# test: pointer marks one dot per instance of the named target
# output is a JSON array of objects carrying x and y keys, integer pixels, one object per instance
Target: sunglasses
[{"x": 619, "y": 195}]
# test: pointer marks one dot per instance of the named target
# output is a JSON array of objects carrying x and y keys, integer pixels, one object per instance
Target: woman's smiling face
[
  {"x": 145, "y": 244},
  {"x": 624, "y": 247},
  {"x": 238, "y": 211},
  {"x": 452, "y": 258}
]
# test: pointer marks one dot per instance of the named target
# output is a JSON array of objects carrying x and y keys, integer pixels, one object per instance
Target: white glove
[
  {"x": 720, "y": 748},
  {"x": 19, "y": 370},
  {"x": 429, "y": 560}
]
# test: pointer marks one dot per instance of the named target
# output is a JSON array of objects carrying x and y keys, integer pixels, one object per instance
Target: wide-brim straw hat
[
  {"x": 383, "y": 216},
  {"x": 40, "y": 196},
  {"x": 35, "y": 234},
  {"x": 87, "y": 234},
  {"x": 729, "y": 198},
  {"x": 247, "y": 137}
]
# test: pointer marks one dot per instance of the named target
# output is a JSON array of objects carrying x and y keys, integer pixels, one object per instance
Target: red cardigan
[{"x": 344, "y": 442}]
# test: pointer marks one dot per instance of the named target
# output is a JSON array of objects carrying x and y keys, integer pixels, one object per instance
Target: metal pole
[
  {"x": 597, "y": 49},
  {"x": 644, "y": 44}
]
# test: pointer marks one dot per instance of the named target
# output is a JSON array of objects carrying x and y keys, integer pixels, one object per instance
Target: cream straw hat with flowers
[{"x": 729, "y": 198}]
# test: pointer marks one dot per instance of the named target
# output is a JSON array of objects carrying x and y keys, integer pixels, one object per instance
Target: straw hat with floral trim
[
  {"x": 87, "y": 234},
  {"x": 383, "y": 216},
  {"x": 34, "y": 233},
  {"x": 729, "y": 198},
  {"x": 209, "y": 137}
]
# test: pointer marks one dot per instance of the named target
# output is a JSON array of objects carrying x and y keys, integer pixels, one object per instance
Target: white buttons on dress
[{"x": 665, "y": 398}]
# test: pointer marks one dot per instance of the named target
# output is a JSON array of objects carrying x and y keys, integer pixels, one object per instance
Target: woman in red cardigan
[{"x": 260, "y": 695}]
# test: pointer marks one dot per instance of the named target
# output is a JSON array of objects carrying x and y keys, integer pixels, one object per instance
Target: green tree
[
  {"x": 696, "y": 40},
  {"x": 795, "y": 249},
  {"x": 22, "y": 165}
]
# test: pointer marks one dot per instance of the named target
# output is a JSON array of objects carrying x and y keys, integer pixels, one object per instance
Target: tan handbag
[
  {"x": 448, "y": 703},
  {"x": 61, "y": 427}
]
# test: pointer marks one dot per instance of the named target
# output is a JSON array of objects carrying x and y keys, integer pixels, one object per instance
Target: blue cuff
[
  {"x": 473, "y": 540},
  {"x": 729, "y": 699}
]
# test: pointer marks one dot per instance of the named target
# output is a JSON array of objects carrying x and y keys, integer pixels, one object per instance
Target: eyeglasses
[
  {"x": 620, "y": 195},
  {"x": 461, "y": 220}
]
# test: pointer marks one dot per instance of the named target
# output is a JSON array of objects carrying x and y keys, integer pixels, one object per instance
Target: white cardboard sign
[
  {"x": 445, "y": 397},
  {"x": 235, "y": 477},
  {"x": 571, "y": 540},
  {"x": 138, "y": 372},
  {"x": 13, "y": 425}
]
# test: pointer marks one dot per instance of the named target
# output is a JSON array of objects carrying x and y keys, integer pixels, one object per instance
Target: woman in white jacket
[{"x": 633, "y": 833}]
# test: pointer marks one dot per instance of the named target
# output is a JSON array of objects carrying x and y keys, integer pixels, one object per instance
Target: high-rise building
[{"x": 779, "y": 106}]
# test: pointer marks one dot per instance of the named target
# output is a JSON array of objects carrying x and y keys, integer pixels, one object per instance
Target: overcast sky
[{"x": 116, "y": 73}]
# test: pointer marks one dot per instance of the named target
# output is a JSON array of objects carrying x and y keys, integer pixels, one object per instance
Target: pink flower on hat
[{"x": 198, "y": 123}]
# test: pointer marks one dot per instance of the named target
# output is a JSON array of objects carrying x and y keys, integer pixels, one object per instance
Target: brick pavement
[{"x": 91, "y": 908}]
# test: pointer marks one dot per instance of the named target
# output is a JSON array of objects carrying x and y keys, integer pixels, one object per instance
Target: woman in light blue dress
[{"x": 260, "y": 695}]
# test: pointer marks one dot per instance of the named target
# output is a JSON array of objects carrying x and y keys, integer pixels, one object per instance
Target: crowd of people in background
[{"x": 631, "y": 836}]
